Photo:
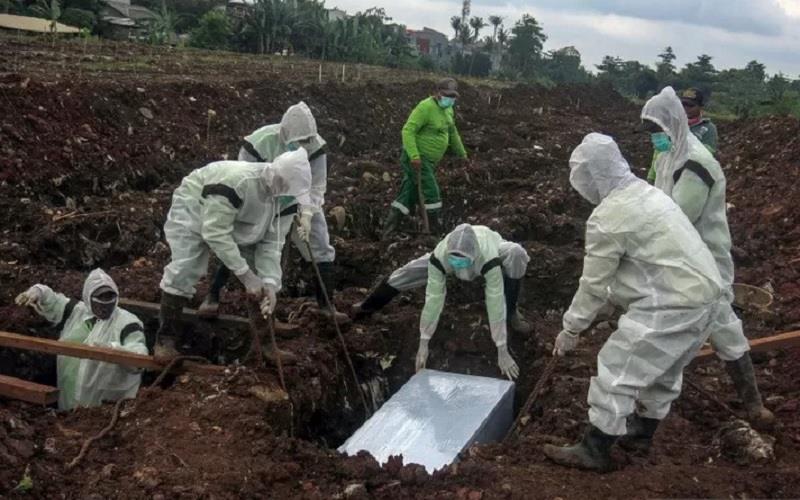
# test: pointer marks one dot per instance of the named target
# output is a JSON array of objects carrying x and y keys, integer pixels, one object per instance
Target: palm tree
[
  {"x": 455, "y": 23},
  {"x": 496, "y": 22},
  {"x": 502, "y": 37},
  {"x": 49, "y": 10},
  {"x": 162, "y": 26},
  {"x": 477, "y": 24}
]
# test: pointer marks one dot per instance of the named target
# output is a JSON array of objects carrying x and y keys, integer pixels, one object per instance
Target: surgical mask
[
  {"x": 285, "y": 200},
  {"x": 447, "y": 102},
  {"x": 457, "y": 262},
  {"x": 661, "y": 142},
  {"x": 292, "y": 146},
  {"x": 103, "y": 308}
]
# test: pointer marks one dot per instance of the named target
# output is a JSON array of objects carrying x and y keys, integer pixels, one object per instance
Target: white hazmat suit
[
  {"x": 234, "y": 208},
  {"x": 85, "y": 382},
  {"x": 693, "y": 178},
  {"x": 643, "y": 251}
]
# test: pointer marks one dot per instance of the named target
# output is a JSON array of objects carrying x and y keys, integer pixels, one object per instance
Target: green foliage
[
  {"x": 162, "y": 28},
  {"x": 187, "y": 12},
  {"x": 47, "y": 9},
  {"x": 213, "y": 31},
  {"x": 630, "y": 78},
  {"x": 25, "y": 484},
  {"x": 525, "y": 46},
  {"x": 79, "y": 18},
  {"x": 475, "y": 64}
]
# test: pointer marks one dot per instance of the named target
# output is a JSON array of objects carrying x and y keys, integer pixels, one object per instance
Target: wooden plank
[
  {"x": 14, "y": 388},
  {"x": 150, "y": 309},
  {"x": 782, "y": 341},
  {"x": 117, "y": 356}
]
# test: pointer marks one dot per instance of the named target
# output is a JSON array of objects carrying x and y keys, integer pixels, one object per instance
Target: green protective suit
[
  {"x": 85, "y": 382},
  {"x": 428, "y": 134},
  {"x": 482, "y": 246}
]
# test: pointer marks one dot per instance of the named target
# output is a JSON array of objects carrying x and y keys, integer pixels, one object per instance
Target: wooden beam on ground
[
  {"x": 782, "y": 341},
  {"x": 150, "y": 309},
  {"x": 14, "y": 388},
  {"x": 116, "y": 356}
]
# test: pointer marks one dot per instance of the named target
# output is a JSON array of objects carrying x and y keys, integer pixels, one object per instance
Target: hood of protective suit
[
  {"x": 290, "y": 175},
  {"x": 298, "y": 124},
  {"x": 597, "y": 168},
  {"x": 666, "y": 110},
  {"x": 97, "y": 279},
  {"x": 464, "y": 241}
]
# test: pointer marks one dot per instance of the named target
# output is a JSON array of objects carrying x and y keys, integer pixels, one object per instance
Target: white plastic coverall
[
  {"x": 483, "y": 246},
  {"x": 642, "y": 250},
  {"x": 700, "y": 192},
  {"x": 84, "y": 382},
  {"x": 231, "y": 206},
  {"x": 269, "y": 142}
]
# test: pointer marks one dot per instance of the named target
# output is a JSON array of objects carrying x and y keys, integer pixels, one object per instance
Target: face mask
[
  {"x": 459, "y": 262},
  {"x": 292, "y": 146},
  {"x": 447, "y": 102},
  {"x": 284, "y": 201},
  {"x": 103, "y": 308},
  {"x": 661, "y": 142}
]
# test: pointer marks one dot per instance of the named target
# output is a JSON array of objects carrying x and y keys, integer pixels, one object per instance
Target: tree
[
  {"x": 665, "y": 69},
  {"x": 50, "y": 10},
  {"x": 212, "y": 32},
  {"x": 700, "y": 73},
  {"x": 525, "y": 46},
  {"x": 161, "y": 28},
  {"x": 777, "y": 86},
  {"x": 455, "y": 23},
  {"x": 564, "y": 65},
  {"x": 496, "y": 22},
  {"x": 477, "y": 24},
  {"x": 79, "y": 18}
]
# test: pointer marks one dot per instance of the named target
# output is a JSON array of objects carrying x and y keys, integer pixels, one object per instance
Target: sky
[{"x": 733, "y": 32}]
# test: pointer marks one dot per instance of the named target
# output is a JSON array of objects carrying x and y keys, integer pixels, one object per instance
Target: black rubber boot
[
  {"x": 435, "y": 221},
  {"x": 210, "y": 306},
  {"x": 391, "y": 223},
  {"x": 639, "y": 437},
  {"x": 170, "y": 325},
  {"x": 375, "y": 301},
  {"x": 328, "y": 273},
  {"x": 517, "y": 323},
  {"x": 744, "y": 379},
  {"x": 593, "y": 452}
]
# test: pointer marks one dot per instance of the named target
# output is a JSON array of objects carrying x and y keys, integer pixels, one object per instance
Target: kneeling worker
[
  {"x": 643, "y": 254},
  {"x": 466, "y": 253},
  {"x": 96, "y": 321}
]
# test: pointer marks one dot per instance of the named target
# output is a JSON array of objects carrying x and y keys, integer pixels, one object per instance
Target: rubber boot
[
  {"x": 744, "y": 379},
  {"x": 435, "y": 221},
  {"x": 169, "y": 325},
  {"x": 516, "y": 322},
  {"x": 639, "y": 437},
  {"x": 391, "y": 223},
  {"x": 376, "y": 300},
  {"x": 210, "y": 306},
  {"x": 593, "y": 452},
  {"x": 328, "y": 275}
]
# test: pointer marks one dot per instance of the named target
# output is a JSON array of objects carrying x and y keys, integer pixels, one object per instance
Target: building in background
[
  {"x": 121, "y": 20},
  {"x": 431, "y": 43}
]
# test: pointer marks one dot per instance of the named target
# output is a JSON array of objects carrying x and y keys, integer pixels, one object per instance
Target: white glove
[
  {"x": 252, "y": 284},
  {"x": 304, "y": 225},
  {"x": 30, "y": 297},
  {"x": 422, "y": 354},
  {"x": 506, "y": 363},
  {"x": 269, "y": 301},
  {"x": 565, "y": 342}
]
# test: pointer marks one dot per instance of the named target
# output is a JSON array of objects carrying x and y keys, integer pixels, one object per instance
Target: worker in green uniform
[{"x": 428, "y": 134}]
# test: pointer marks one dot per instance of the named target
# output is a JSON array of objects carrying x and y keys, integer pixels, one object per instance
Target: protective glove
[
  {"x": 252, "y": 284},
  {"x": 269, "y": 301},
  {"x": 304, "y": 225},
  {"x": 565, "y": 342},
  {"x": 506, "y": 363},
  {"x": 30, "y": 297},
  {"x": 422, "y": 354}
]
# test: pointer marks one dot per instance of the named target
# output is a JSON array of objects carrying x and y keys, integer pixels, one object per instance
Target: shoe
[
  {"x": 375, "y": 301},
  {"x": 639, "y": 437},
  {"x": 593, "y": 452},
  {"x": 392, "y": 223},
  {"x": 209, "y": 308},
  {"x": 516, "y": 322},
  {"x": 170, "y": 325},
  {"x": 744, "y": 379},
  {"x": 519, "y": 324}
]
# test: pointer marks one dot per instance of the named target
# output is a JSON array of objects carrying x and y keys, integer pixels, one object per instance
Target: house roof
[{"x": 36, "y": 24}]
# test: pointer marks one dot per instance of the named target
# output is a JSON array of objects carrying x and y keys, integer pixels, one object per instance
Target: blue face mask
[
  {"x": 457, "y": 262},
  {"x": 284, "y": 201},
  {"x": 292, "y": 146},
  {"x": 661, "y": 142},
  {"x": 447, "y": 102}
]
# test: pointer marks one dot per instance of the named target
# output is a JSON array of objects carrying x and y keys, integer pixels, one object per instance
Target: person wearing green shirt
[{"x": 428, "y": 134}]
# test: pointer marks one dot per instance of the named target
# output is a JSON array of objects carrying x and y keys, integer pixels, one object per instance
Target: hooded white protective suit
[
  {"x": 230, "y": 206},
  {"x": 642, "y": 250},
  {"x": 85, "y": 382},
  {"x": 693, "y": 178},
  {"x": 271, "y": 141}
]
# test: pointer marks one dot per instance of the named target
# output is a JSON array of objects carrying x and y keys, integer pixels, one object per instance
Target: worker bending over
[
  {"x": 96, "y": 321},
  {"x": 643, "y": 254}
]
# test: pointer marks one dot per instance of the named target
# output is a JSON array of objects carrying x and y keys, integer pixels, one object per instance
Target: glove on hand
[
  {"x": 304, "y": 226},
  {"x": 30, "y": 297},
  {"x": 565, "y": 342},
  {"x": 506, "y": 363},
  {"x": 269, "y": 301},
  {"x": 252, "y": 284},
  {"x": 422, "y": 354}
]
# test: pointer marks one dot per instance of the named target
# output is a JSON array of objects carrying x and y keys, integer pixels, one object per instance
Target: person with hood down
[
  {"x": 688, "y": 173},
  {"x": 642, "y": 254},
  {"x": 242, "y": 211},
  {"x": 97, "y": 321},
  {"x": 467, "y": 253},
  {"x": 297, "y": 129}
]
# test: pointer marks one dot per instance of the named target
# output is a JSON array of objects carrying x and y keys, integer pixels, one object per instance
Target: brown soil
[{"x": 86, "y": 181}]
